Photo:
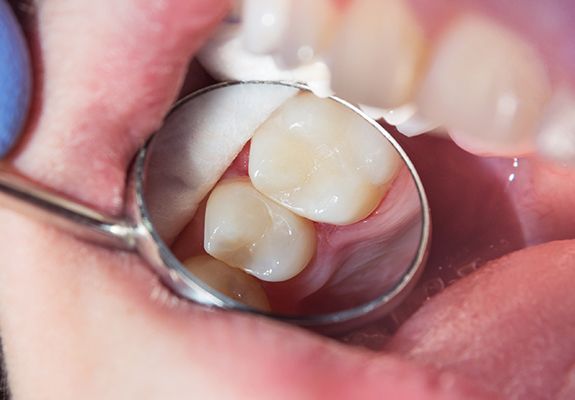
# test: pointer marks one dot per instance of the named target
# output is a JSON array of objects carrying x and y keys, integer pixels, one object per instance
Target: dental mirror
[{"x": 262, "y": 197}]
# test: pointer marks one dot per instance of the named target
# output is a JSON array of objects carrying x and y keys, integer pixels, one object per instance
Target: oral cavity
[
  {"x": 308, "y": 188},
  {"x": 308, "y": 162}
]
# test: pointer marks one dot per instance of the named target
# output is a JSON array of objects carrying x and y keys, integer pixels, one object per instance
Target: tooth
[
  {"x": 246, "y": 230},
  {"x": 264, "y": 24},
  {"x": 377, "y": 54},
  {"x": 556, "y": 138},
  {"x": 486, "y": 86},
  {"x": 229, "y": 281},
  {"x": 322, "y": 161},
  {"x": 310, "y": 30}
]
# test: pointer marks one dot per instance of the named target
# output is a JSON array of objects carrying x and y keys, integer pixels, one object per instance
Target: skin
[{"x": 81, "y": 321}]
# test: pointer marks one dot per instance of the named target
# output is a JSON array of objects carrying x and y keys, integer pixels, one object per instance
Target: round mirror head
[{"x": 274, "y": 200}]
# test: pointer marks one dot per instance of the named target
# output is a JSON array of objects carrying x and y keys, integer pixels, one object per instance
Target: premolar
[
  {"x": 322, "y": 161},
  {"x": 229, "y": 281},
  {"x": 246, "y": 230},
  {"x": 556, "y": 137},
  {"x": 377, "y": 54},
  {"x": 486, "y": 86}
]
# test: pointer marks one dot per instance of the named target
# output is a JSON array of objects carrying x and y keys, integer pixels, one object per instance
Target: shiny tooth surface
[
  {"x": 246, "y": 230},
  {"x": 229, "y": 281},
  {"x": 264, "y": 24},
  {"x": 377, "y": 53},
  {"x": 556, "y": 137},
  {"x": 310, "y": 30},
  {"x": 486, "y": 86},
  {"x": 322, "y": 161}
]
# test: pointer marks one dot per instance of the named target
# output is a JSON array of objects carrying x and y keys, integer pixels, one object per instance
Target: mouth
[
  {"x": 481, "y": 109},
  {"x": 485, "y": 97},
  {"x": 494, "y": 306}
]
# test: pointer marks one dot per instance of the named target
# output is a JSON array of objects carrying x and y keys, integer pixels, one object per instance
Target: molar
[
  {"x": 377, "y": 54},
  {"x": 486, "y": 86},
  {"x": 322, "y": 162},
  {"x": 229, "y": 281},
  {"x": 246, "y": 230}
]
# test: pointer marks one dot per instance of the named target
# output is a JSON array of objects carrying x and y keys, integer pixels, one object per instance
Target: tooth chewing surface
[
  {"x": 229, "y": 281},
  {"x": 322, "y": 161},
  {"x": 246, "y": 230}
]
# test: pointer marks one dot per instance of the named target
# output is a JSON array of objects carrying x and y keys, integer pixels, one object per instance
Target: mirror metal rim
[{"x": 184, "y": 284}]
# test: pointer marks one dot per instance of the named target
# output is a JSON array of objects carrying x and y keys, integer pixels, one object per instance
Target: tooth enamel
[
  {"x": 556, "y": 138},
  {"x": 486, "y": 86},
  {"x": 310, "y": 30},
  {"x": 246, "y": 230},
  {"x": 377, "y": 54},
  {"x": 229, "y": 281},
  {"x": 264, "y": 24},
  {"x": 184, "y": 167},
  {"x": 322, "y": 161}
]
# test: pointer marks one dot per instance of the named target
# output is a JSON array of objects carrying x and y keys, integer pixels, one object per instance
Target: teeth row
[
  {"x": 483, "y": 83},
  {"x": 311, "y": 160}
]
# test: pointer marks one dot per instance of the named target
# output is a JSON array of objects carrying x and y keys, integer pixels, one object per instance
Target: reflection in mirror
[{"x": 282, "y": 200}]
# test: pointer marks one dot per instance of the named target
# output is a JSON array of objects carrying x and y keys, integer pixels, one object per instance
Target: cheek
[
  {"x": 84, "y": 322},
  {"x": 107, "y": 73}
]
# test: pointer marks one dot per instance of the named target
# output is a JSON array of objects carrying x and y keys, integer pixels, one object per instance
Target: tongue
[{"x": 510, "y": 325}]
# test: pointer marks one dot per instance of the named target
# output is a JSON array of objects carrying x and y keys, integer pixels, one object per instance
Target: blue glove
[{"x": 15, "y": 79}]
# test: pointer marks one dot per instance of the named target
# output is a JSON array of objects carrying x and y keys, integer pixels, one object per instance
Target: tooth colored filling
[
  {"x": 246, "y": 230},
  {"x": 320, "y": 162}
]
